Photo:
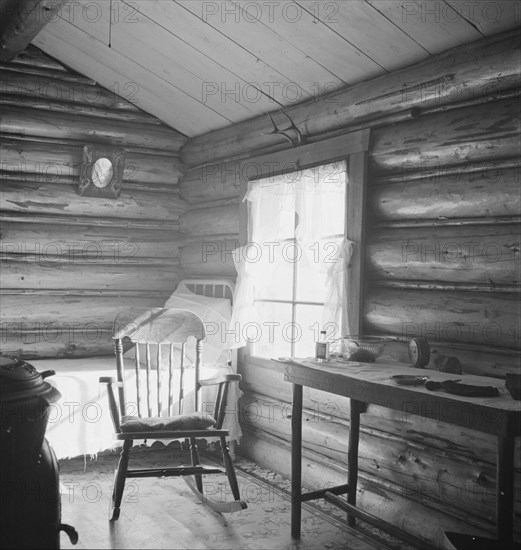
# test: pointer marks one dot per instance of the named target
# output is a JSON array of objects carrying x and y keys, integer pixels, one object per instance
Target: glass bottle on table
[{"x": 322, "y": 348}]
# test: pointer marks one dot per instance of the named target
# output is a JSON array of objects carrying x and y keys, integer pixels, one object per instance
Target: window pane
[
  {"x": 320, "y": 202},
  {"x": 312, "y": 269},
  {"x": 333, "y": 190},
  {"x": 272, "y": 211},
  {"x": 275, "y": 272},
  {"x": 272, "y": 335}
]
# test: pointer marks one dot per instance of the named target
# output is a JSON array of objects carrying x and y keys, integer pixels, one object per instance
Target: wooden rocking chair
[{"x": 171, "y": 329}]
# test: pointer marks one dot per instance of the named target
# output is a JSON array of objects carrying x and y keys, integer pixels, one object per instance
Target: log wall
[
  {"x": 69, "y": 263},
  {"x": 442, "y": 260}
]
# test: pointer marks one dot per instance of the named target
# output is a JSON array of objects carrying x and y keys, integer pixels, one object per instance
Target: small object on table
[
  {"x": 322, "y": 348},
  {"x": 513, "y": 385},
  {"x": 446, "y": 364},
  {"x": 466, "y": 390},
  {"x": 409, "y": 379},
  {"x": 362, "y": 356},
  {"x": 364, "y": 349},
  {"x": 419, "y": 352}
]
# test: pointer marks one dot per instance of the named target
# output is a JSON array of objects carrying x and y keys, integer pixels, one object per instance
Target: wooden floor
[{"x": 164, "y": 513}]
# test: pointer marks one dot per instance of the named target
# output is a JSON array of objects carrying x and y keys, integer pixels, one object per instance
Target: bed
[{"x": 80, "y": 424}]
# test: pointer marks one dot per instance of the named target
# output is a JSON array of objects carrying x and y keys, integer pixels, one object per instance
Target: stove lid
[{"x": 19, "y": 380}]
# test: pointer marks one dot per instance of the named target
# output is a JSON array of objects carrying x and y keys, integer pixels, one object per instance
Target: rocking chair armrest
[
  {"x": 110, "y": 380},
  {"x": 220, "y": 380}
]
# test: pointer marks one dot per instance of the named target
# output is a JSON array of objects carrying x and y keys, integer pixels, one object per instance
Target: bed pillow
[{"x": 215, "y": 313}]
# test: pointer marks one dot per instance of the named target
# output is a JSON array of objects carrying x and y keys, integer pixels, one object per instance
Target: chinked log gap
[{"x": 22, "y": 20}]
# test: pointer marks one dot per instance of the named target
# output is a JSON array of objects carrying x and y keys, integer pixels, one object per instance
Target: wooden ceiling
[{"x": 202, "y": 65}]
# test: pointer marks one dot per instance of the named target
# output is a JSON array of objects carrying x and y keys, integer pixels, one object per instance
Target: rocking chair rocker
[{"x": 165, "y": 328}]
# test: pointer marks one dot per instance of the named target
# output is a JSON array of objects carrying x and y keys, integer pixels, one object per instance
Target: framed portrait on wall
[{"x": 101, "y": 172}]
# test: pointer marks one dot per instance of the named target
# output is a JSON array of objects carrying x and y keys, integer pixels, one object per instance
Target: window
[
  {"x": 296, "y": 225},
  {"x": 299, "y": 266}
]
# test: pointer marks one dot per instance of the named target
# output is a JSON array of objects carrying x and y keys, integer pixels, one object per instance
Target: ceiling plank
[
  {"x": 21, "y": 22},
  {"x": 215, "y": 45},
  {"x": 152, "y": 45},
  {"x": 307, "y": 33},
  {"x": 390, "y": 47},
  {"x": 433, "y": 25},
  {"x": 128, "y": 79},
  {"x": 266, "y": 45},
  {"x": 93, "y": 17}
]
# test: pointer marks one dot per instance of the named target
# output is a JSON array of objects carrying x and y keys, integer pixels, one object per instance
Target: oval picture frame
[{"x": 101, "y": 172}]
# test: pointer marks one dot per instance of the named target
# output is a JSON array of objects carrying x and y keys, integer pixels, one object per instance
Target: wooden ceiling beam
[{"x": 21, "y": 21}]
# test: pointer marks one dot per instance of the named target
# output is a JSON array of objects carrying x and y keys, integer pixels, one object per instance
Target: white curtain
[{"x": 308, "y": 205}]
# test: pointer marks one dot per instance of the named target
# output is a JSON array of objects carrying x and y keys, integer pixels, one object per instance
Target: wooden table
[{"x": 370, "y": 383}]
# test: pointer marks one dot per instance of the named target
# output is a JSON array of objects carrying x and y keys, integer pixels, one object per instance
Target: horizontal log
[
  {"x": 97, "y": 274},
  {"x": 440, "y": 197},
  {"x": 109, "y": 223},
  {"x": 44, "y": 84},
  {"x": 46, "y": 343},
  {"x": 76, "y": 241},
  {"x": 454, "y": 137},
  {"x": 63, "y": 200},
  {"x": 217, "y": 220},
  {"x": 412, "y": 225},
  {"x": 33, "y": 312},
  {"x": 36, "y": 123},
  {"x": 486, "y": 255},
  {"x": 48, "y": 161},
  {"x": 484, "y": 319},
  {"x": 467, "y": 71},
  {"x": 514, "y": 289},
  {"x": 211, "y": 182},
  {"x": 85, "y": 293},
  {"x": 458, "y": 173},
  {"x": 34, "y": 57},
  {"x": 74, "y": 109},
  {"x": 211, "y": 257}
]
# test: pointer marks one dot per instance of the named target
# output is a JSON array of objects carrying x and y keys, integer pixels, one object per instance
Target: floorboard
[{"x": 164, "y": 513}]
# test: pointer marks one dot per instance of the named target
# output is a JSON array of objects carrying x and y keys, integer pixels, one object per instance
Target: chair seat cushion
[{"x": 195, "y": 421}]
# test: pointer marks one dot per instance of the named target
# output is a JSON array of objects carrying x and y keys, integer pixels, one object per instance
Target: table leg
[
  {"x": 296, "y": 461},
  {"x": 356, "y": 407},
  {"x": 505, "y": 490}
]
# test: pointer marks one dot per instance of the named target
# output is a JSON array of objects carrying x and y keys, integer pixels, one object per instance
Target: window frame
[{"x": 352, "y": 147}]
